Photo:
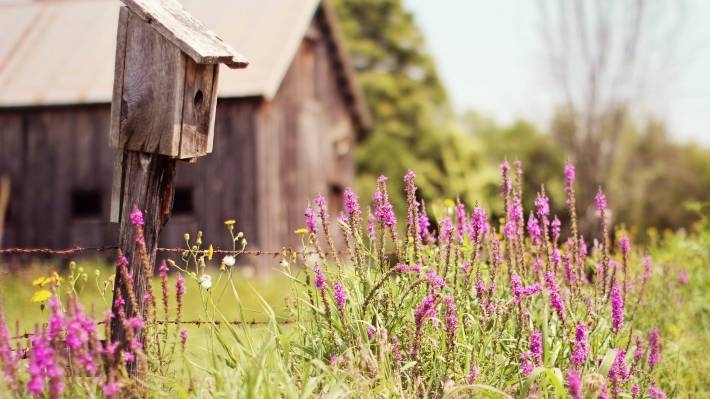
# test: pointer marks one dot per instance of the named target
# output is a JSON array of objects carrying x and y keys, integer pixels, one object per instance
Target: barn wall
[
  {"x": 304, "y": 143},
  {"x": 58, "y": 159}
]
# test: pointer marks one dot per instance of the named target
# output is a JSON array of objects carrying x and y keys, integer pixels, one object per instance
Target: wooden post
[
  {"x": 148, "y": 184},
  {"x": 163, "y": 109}
]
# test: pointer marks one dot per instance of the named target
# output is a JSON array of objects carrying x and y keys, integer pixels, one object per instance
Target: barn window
[
  {"x": 335, "y": 199},
  {"x": 86, "y": 203},
  {"x": 183, "y": 203}
]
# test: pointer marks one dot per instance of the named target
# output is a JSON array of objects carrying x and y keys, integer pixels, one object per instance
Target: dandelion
[
  {"x": 206, "y": 281},
  {"x": 229, "y": 222},
  {"x": 136, "y": 217},
  {"x": 617, "y": 309},
  {"x": 574, "y": 384},
  {"x": 229, "y": 260}
]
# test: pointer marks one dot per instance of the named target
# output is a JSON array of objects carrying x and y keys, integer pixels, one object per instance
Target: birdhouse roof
[{"x": 171, "y": 20}]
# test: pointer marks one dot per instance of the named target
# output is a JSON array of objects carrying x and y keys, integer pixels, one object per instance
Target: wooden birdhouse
[{"x": 165, "y": 84}]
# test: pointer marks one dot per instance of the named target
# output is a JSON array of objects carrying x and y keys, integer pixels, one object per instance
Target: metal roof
[{"x": 60, "y": 52}]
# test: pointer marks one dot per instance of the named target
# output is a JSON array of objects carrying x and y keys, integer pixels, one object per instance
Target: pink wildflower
[{"x": 136, "y": 217}]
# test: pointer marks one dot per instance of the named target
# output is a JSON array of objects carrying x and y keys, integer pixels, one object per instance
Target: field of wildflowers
[{"x": 461, "y": 307}]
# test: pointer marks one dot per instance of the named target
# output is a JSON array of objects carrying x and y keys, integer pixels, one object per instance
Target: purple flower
[
  {"x": 555, "y": 299},
  {"x": 471, "y": 377},
  {"x": 507, "y": 184},
  {"x": 574, "y": 384},
  {"x": 425, "y": 311},
  {"x": 371, "y": 226},
  {"x": 656, "y": 393},
  {"x": 319, "y": 280},
  {"x": 136, "y": 217},
  {"x": 370, "y": 330},
  {"x": 570, "y": 276},
  {"x": 600, "y": 200},
  {"x": 7, "y": 357},
  {"x": 534, "y": 230},
  {"x": 479, "y": 224},
  {"x": 384, "y": 212},
  {"x": 654, "y": 347},
  {"x": 135, "y": 323},
  {"x": 183, "y": 338},
  {"x": 405, "y": 268},
  {"x": 556, "y": 226},
  {"x": 311, "y": 223},
  {"x": 340, "y": 295},
  {"x": 542, "y": 206},
  {"x": 42, "y": 364},
  {"x": 110, "y": 389},
  {"x": 536, "y": 347},
  {"x": 56, "y": 319},
  {"x": 434, "y": 279},
  {"x": 617, "y": 309},
  {"x": 619, "y": 372},
  {"x": 451, "y": 321},
  {"x": 520, "y": 292},
  {"x": 581, "y": 346},
  {"x": 683, "y": 277},
  {"x": 352, "y": 204},
  {"x": 513, "y": 220},
  {"x": 526, "y": 368},
  {"x": 624, "y": 244},
  {"x": 635, "y": 390},
  {"x": 461, "y": 220},
  {"x": 569, "y": 174}
]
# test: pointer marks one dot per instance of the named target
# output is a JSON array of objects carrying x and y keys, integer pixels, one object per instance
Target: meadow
[{"x": 451, "y": 304}]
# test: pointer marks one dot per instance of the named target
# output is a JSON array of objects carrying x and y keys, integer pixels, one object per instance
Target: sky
[{"x": 490, "y": 57}]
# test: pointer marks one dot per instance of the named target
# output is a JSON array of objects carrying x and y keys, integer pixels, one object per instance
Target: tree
[
  {"x": 599, "y": 55},
  {"x": 413, "y": 124}
]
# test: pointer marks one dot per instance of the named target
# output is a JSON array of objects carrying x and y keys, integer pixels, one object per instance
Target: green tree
[{"x": 414, "y": 126}]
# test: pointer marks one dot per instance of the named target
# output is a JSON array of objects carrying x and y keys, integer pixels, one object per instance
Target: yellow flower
[
  {"x": 230, "y": 222},
  {"x": 41, "y": 296},
  {"x": 449, "y": 203},
  {"x": 40, "y": 281},
  {"x": 210, "y": 252},
  {"x": 301, "y": 231}
]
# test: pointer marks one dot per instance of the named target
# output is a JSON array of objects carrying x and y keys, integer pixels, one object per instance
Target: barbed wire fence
[{"x": 77, "y": 250}]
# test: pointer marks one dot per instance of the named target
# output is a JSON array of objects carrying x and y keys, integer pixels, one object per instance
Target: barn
[{"x": 285, "y": 127}]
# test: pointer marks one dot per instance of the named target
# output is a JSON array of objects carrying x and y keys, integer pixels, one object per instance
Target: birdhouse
[{"x": 165, "y": 84}]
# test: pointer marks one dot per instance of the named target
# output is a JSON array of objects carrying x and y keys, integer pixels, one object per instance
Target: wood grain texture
[
  {"x": 148, "y": 184},
  {"x": 119, "y": 68},
  {"x": 197, "y": 112},
  {"x": 152, "y": 98},
  {"x": 187, "y": 33}
]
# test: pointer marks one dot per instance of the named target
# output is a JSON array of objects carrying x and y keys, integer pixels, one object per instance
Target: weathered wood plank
[
  {"x": 149, "y": 186},
  {"x": 121, "y": 35},
  {"x": 151, "y": 109},
  {"x": 197, "y": 110},
  {"x": 202, "y": 45}
]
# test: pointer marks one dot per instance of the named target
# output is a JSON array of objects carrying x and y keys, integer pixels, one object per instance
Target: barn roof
[{"x": 61, "y": 52}]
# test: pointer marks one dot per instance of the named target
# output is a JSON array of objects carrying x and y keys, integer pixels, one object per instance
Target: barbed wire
[
  {"x": 77, "y": 249},
  {"x": 197, "y": 323}
]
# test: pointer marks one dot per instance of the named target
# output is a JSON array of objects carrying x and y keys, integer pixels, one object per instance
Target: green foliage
[{"x": 413, "y": 125}]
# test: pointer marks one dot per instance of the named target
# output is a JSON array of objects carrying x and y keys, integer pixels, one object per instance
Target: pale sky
[{"x": 489, "y": 54}]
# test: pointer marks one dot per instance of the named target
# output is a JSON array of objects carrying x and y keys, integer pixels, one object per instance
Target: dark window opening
[
  {"x": 183, "y": 203},
  {"x": 335, "y": 199},
  {"x": 86, "y": 203}
]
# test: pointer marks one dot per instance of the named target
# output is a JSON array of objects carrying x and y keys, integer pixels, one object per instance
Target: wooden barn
[{"x": 285, "y": 127}]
